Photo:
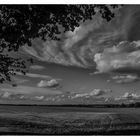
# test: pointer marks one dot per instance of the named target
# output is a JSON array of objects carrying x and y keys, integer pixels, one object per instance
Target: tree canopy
[{"x": 20, "y": 24}]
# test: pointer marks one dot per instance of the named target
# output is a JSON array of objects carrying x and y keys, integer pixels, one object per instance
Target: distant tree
[
  {"x": 20, "y": 24},
  {"x": 136, "y": 104},
  {"x": 122, "y": 105}
]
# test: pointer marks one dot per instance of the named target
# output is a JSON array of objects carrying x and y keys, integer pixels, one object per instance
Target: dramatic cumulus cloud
[
  {"x": 51, "y": 83},
  {"x": 37, "y": 67},
  {"x": 122, "y": 56},
  {"x": 127, "y": 78}
]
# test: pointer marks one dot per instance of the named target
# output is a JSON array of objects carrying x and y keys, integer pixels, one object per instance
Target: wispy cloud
[
  {"x": 37, "y": 67},
  {"x": 19, "y": 80},
  {"x": 79, "y": 47},
  {"x": 34, "y": 75},
  {"x": 125, "y": 78},
  {"x": 31, "y": 90}
]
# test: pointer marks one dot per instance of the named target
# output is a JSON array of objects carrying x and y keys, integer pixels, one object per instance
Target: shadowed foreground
[{"x": 68, "y": 121}]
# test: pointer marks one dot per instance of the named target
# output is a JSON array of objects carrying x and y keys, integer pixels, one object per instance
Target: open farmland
[{"x": 45, "y": 120}]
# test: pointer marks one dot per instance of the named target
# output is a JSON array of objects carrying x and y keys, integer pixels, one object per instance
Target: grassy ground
[{"x": 58, "y": 121}]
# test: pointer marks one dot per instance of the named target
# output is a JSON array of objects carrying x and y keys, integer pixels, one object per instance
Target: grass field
[{"x": 43, "y": 120}]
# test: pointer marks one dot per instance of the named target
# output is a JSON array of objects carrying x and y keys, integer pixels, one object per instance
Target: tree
[{"x": 20, "y": 24}]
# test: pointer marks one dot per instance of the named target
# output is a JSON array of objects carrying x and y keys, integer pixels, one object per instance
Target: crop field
[{"x": 44, "y": 120}]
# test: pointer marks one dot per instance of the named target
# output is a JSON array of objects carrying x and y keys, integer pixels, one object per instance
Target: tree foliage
[{"x": 20, "y": 24}]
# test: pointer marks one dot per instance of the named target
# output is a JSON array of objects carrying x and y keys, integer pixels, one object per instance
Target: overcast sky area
[{"x": 98, "y": 62}]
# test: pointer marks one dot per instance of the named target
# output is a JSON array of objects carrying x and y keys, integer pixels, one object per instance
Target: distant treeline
[{"x": 121, "y": 105}]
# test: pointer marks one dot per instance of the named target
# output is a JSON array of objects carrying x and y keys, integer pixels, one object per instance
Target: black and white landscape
[{"x": 78, "y": 72}]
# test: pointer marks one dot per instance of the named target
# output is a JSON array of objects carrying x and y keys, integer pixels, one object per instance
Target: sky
[{"x": 97, "y": 63}]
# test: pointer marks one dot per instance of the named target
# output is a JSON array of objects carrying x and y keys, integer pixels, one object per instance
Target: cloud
[
  {"x": 52, "y": 99},
  {"x": 28, "y": 90},
  {"x": 128, "y": 95},
  {"x": 97, "y": 92},
  {"x": 122, "y": 56},
  {"x": 92, "y": 43},
  {"x": 34, "y": 75},
  {"x": 94, "y": 93},
  {"x": 71, "y": 50},
  {"x": 78, "y": 48},
  {"x": 109, "y": 99},
  {"x": 51, "y": 83},
  {"x": 10, "y": 95},
  {"x": 5, "y": 95},
  {"x": 38, "y": 97},
  {"x": 125, "y": 78},
  {"x": 22, "y": 97},
  {"x": 37, "y": 67},
  {"x": 19, "y": 80},
  {"x": 95, "y": 73}
]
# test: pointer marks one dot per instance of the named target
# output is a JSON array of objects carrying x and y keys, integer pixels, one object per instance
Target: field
[{"x": 47, "y": 120}]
